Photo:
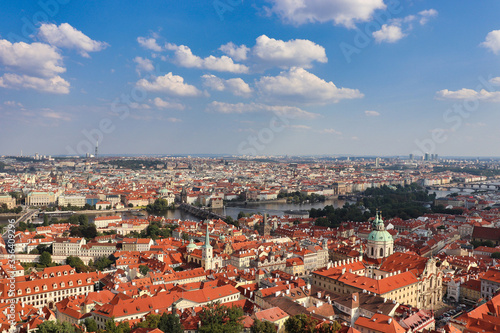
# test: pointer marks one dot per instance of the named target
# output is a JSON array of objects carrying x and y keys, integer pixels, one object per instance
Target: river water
[{"x": 277, "y": 208}]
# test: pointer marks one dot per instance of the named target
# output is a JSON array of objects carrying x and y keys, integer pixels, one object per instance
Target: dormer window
[
  {"x": 58, "y": 273},
  {"x": 65, "y": 272},
  {"x": 37, "y": 289},
  {"x": 28, "y": 290},
  {"x": 70, "y": 283},
  {"x": 62, "y": 285},
  {"x": 44, "y": 287},
  {"x": 45, "y": 276},
  {"x": 54, "y": 286},
  {"x": 19, "y": 292},
  {"x": 89, "y": 280},
  {"x": 79, "y": 282}
]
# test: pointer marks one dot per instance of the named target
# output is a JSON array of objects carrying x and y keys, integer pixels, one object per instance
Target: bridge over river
[{"x": 201, "y": 212}]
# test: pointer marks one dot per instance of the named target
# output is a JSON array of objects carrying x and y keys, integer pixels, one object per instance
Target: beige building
[
  {"x": 72, "y": 200},
  {"x": 6, "y": 199},
  {"x": 40, "y": 199}
]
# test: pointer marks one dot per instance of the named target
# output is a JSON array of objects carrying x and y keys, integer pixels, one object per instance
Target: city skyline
[{"x": 372, "y": 78}]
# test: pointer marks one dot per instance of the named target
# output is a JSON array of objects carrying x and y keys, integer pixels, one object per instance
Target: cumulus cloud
[
  {"x": 270, "y": 52},
  {"x": 388, "y": 33},
  {"x": 143, "y": 65},
  {"x": 469, "y": 94},
  {"x": 65, "y": 36},
  {"x": 240, "y": 108},
  {"x": 300, "y": 86},
  {"x": 238, "y": 53},
  {"x": 495, "y": 81},
  {"x": 184, "y": 57},
  {"x": 35, "y": 59},
  {"x": 55, "y": 84},
  {"x": 235, "y": 86},
  {"x": 149, "y": 44},
  {"x": 398, "y": 28},
  {"x": 163, "y": 104},
  {"x": 169, "y": 84},
  {"x": 372, "y": 113},
  {"x": 492, "y": 41},
  {"x": 340, "y": 12},
  {"x": 425, "y": 15}
]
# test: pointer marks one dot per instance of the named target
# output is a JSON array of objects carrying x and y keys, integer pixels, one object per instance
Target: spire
[{"x": 207, "y": 239}]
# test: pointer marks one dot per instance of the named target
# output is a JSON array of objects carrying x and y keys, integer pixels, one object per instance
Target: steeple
[{"x": 207, "y": 239}]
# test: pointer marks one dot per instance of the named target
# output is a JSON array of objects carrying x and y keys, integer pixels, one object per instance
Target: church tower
[
  {"x": 207, "y": 252},
  {"x": 380, "y": 242}
]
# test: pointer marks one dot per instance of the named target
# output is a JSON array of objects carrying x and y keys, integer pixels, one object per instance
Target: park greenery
[
  {"x": 405, "y": 202},
  {"x": 299, "y": 198},
  {"x": 160, "y": 206}
]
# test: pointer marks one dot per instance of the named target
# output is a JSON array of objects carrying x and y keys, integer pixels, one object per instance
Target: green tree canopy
[
  {"x": 45, "y": 259},
  {"x": 217, "y": 318}
]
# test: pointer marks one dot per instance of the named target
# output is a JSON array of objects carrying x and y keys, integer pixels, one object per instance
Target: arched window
[
  {"x": 372, "y": 252},
  {"x": 381, "y": 252}
]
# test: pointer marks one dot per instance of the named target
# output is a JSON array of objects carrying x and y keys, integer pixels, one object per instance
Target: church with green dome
[{"x": 380, "y": 242}]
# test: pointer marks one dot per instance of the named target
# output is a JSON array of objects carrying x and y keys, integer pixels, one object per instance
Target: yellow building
[{"x": 6, "y": 199}]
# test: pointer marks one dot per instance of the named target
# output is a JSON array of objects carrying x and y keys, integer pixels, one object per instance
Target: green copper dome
[
  {"x": 380, "y": 236},
  {"x": 191, "y": 245}
]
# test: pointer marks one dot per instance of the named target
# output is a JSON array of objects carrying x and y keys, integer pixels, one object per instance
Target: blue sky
[{"x": 275, "y": 77}]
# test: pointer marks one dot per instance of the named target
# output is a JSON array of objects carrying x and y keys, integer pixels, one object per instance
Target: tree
[
  {"x": 329, "y": 328},
  {"x": 55, "y": 327},
  {"x": 170, "y": 323},
  {"x": 495, "y": 255},
  {"x": 262, "y": 327},
  {"x": 45, "y": 220},
  {"x": 219, "y": 318},
  {"x": 91, "y": 325},
  {"x": 77, "y": 264},
  {"x": 143, "y": 269},
  {"x": 299, "y": 323},
  {"x": 45, "y": 259}
]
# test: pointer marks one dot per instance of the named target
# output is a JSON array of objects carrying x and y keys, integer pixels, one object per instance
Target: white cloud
[
  {"x": 330, "y": 131},
  {"x": 341, "y": 12},
  {"x": 36, "y": 59},
  {"x": 139, "y": 106},
  {"x": 388, "y": 33},
  {"x": 393, "y": 30},
  {"x": 169, "y": 84},
  {"x": 143, "y": 65},
  {"x": 163, "y": 104},
  {"x": 55, "y": 84},
  {"x": 238, "y": 53},
  {"x": 53, "y": 115},
  {"x": 240, "y": 108},
  {"x": 174, "y": 120},
  {"x": 426, "y": 14},
  {"x": 65, "y": 36},
  {"x": 299, "y": 127},
  {"x": 492, "y": 41},
  {"x": 299, "y": 85},
  {"x": 495, "y": 81},
  {"x": 469, "y": 94},
  {"x": 295, "y": 52},
  {"x": 184, "y": 57},
  {"x": 13, "y": 104},
  {"x": 372, "y": 113},
  {"x": 149, "y": 44},
  {"x": 235, "y": 86}
]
